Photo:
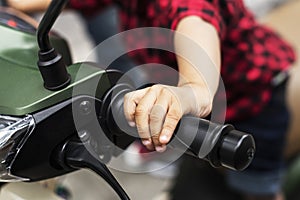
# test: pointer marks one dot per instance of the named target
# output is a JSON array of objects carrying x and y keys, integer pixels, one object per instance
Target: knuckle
[
  {"x": 156, "y": 87},
  {"x": 171, "y": 122},
  {"x": 128, "y": 96},
  {"x": 170, "y": 126},
  {"x": 175, "y": 115},
  {"x": 155, "y": 139},
  {"x": 155, "y": 136},
  {"x": 165, "y": 91},
  {"x": 155, "y": 117},
  {"x": 155, "y": 131},
  {"x": 142, "y": 130},
  {"x": 140, "y": 110}
]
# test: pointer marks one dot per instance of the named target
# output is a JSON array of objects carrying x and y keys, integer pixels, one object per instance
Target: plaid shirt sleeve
[
  {"x": 208, "y": 10},
  {"x": 89, "y": 7},
  {"x": 252, "y": 54}
]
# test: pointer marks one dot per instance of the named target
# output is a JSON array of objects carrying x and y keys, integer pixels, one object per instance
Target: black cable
[{"x": 77, "y": 156}]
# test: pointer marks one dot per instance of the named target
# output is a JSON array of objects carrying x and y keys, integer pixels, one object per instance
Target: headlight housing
[{"x": 13, "y": 131}]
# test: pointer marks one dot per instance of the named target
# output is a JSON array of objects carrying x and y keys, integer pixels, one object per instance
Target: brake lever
[{"x": 74, "y": 154}]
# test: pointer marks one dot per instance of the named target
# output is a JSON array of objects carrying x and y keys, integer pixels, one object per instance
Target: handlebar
[{"x": 219, "y": 144}]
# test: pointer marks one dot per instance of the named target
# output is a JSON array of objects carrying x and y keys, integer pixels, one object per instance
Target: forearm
[
  {"x": 29, "y": 5},
  {"x": 197, "y": 47},
  {"x": 156, "y": 110}
]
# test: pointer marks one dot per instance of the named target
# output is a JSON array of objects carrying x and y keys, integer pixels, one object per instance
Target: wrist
[{"x": 199, "y": 99}]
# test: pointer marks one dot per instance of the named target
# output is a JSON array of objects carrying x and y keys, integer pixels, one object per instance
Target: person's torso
[{"x": 252, "y": 54}]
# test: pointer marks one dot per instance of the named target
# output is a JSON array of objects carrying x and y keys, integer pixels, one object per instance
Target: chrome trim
[{"x": 13, "y": 131}]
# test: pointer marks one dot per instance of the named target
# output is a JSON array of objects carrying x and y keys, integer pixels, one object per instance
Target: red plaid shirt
[{"x": 252, "y": 54}]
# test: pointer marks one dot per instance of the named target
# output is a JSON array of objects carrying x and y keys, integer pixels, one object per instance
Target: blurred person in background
[{"x": 261, "y": 8}]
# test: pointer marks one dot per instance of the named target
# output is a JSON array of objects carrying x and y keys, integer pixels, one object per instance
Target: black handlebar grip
[
  {"x": 237, "y": 150},
  {"x": 219, "y": 144}
]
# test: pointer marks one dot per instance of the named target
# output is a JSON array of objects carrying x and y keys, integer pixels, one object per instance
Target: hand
[
  {"x": 156, "y": 111},
  {"x": 29, "y": 6}
]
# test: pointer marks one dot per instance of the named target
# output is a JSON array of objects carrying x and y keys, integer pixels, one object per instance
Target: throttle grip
[{"x": 219, "y": 144}]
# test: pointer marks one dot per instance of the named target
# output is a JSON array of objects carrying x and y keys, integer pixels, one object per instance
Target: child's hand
[
  {"x": 156, "y": 110},
  {"x": 29, "y": 6}
]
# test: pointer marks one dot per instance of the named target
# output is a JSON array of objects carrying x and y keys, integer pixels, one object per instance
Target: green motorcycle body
[
  {"x": 21, "y": 88},
  {"x": 27, "y": 108}
]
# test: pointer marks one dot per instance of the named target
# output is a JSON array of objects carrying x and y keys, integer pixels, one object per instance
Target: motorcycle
[{"x": 54, "y": 120}]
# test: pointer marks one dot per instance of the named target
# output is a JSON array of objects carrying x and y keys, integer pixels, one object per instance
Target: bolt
[
  {"x": 84, "y": 135},
  {"x": 101, "y": 156},
  {"x": 250, "y": 153},
  {"x": 85, "y": 107}
]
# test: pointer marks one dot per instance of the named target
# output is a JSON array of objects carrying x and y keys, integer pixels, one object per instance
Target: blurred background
[{"x": 283, "y": 15}]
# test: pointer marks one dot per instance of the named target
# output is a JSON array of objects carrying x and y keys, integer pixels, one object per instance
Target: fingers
[
  {"x": 164, "y": 118},
  {"x": 142, "y": 114},
  {"x": 169, "y": 115},
  {"x": 157, "y": 119},
  {"x": 130, "y": 103},
  {"x": 171, "y": 120},
  {"x": 155, "y": 111}
]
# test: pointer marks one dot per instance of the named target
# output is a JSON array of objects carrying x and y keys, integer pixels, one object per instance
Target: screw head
[
  {"x": 250, "y": 153},
  {"x": 85, "y": 107},
  {"x": 84, "y": 135}
]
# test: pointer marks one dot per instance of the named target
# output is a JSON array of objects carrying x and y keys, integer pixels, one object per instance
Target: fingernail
[
  {"x": 163, "y": 139},
  {"x": 165, "y": 136},
  {"x": 146, "y": 142},
  {"x": 160, "y": 148},
  {"x": 132, "y": 124}
]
